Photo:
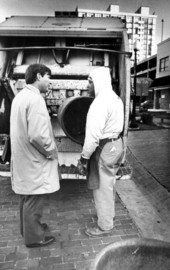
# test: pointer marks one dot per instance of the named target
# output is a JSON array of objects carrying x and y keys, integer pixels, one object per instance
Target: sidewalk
[
  {"x": 147, "y": 194},
  {"x": 142, "y": 210},
  {"x": 68, "y": 213}
]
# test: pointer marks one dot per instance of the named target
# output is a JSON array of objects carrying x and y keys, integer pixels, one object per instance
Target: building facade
[
  {"x": 145, "y": 75},
  {"x": 141, "y": 27},
  {"x": 161, "y": 84},
  {"x": 146, "y": 68}
]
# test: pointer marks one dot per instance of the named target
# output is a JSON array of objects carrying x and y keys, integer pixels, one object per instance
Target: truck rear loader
[{"x": 71, "y": 47}]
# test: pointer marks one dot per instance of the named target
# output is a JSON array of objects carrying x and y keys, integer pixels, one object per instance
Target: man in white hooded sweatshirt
[{"x": 103, "y": 148}]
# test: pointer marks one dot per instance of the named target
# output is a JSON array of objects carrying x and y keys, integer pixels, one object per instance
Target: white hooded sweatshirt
[{"x": 105, "y": 117}]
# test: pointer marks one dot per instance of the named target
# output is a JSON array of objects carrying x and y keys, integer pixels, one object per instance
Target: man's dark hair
[{"x": 32, "y": 70}]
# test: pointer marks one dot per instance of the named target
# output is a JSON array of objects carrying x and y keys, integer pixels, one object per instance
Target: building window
[
  {"x": 150, "y": 31},
  {"x": 163, "y": 64},
  {"x": 129, "y": 36},
  {"x": 149, "y": 49},
  {"x": 150, "y": 20},
  {"x": 129, "y": 19},
  {"x": 98, "y": 15}
]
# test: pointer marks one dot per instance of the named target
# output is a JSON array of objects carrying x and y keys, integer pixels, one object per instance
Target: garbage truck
[{"x": 71, "y": 47}]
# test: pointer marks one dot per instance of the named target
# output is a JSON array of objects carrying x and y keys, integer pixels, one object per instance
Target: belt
[{"x": 106, "y": 140}]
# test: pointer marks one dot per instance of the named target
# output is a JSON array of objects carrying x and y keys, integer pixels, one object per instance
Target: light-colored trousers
[{"x": 104, "y": 196}]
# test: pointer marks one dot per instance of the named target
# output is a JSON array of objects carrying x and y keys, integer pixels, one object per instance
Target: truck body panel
[{"x": 71, "y": 47}]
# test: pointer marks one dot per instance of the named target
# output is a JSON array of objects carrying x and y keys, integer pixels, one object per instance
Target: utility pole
[{"x": 162, "y": 29}]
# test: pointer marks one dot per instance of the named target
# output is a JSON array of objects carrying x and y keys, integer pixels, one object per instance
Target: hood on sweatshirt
[{"x": 101, "y": 79}]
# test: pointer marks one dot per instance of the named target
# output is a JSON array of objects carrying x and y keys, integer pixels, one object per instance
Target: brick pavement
[{"x": 68, "y": 212}]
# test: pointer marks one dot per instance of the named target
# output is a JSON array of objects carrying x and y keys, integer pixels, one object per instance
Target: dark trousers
[{"x": 31, "y": 208}]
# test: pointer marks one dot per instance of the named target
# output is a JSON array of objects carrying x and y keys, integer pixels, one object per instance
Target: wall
[
  {"x": 164, "y": 100},
  {"x": 163, "y": 51}
]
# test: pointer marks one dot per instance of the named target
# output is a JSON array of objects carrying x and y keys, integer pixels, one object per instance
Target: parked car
[{"x": 147, "y": 104}]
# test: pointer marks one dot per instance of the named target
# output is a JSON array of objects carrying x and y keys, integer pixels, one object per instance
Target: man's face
[
  {"x": 90, "y": 87},
  {"x": 45, "y": 83}
]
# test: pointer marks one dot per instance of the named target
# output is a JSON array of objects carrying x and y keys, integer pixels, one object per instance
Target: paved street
[
  {"x": 152, "y": 149},
  {"x": 69, "y": 211}
]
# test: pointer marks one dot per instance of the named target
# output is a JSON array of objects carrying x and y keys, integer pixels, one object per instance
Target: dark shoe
[
  {"x": 96, "y": 231},
  {"x": 44, "y": 226},
  {"x": 48, "y": 240}
]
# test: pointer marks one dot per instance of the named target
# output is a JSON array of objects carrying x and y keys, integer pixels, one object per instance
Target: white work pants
[{"x": 104, "y": 196}]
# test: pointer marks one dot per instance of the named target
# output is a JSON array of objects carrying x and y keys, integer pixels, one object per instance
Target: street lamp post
[{"x": 133, "y": 123}]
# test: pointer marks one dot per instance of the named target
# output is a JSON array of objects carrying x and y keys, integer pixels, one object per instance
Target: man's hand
[
  {"x": 53, "y": 155},
  {"x": 82, "y": 166}
]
